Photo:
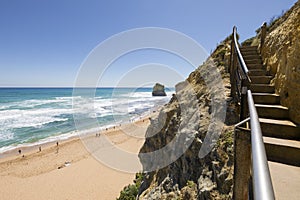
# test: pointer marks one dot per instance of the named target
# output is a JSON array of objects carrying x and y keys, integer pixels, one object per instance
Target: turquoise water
[{"x": 35, "y": 115}]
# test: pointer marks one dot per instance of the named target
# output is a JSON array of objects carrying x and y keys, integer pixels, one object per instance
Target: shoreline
[
  {"x": 28, "y": 148},
  {"x": 50, "y": 173}
]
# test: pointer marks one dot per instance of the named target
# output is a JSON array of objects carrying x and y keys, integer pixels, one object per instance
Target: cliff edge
[
  {"x": 189, "y": 176},
  {"x": 281, "y": 56},
  {"x": 209, "y": 175}
]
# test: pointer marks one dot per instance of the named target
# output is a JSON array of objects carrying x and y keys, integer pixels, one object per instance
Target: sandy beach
[{"x": 68, "y": 171}]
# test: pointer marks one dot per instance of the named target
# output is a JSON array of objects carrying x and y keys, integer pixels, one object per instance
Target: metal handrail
[
  {"x": 261, "y": 179},
  {"x": 240, "y": 57},
  {"x": 240, "y": 80},
  {"x": 262, "y": 183}
]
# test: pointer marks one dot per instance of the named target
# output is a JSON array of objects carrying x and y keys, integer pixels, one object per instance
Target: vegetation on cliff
[
  {"x": 280, "y": 54},
  {"x": 130, "y": 191},
  {"x": 192, "y": 177},
  {"x": 211, "y": 176}
]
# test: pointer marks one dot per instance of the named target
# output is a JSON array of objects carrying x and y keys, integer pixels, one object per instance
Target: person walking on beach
[
  {"x": 20, "y": 151},
  {"x": 40, "y": 148}
]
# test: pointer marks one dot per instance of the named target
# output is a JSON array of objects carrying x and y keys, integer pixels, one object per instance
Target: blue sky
[{"x": 44, "y": 42}]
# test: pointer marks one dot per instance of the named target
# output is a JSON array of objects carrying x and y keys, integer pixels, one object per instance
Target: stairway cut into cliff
[{"x": 281, "y": 135}]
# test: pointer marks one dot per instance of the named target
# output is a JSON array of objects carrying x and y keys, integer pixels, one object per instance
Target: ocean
[{"x": 30, "y": 116}]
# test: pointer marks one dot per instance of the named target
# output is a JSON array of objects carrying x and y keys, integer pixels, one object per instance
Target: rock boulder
[{"x": 158, "y": 90}]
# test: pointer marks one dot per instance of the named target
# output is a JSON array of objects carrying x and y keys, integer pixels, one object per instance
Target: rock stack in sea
[{"x": 158, "y": 90}]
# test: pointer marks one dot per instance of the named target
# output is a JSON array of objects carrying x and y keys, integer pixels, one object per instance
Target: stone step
[
  {"x": 253, "y": 66},
  {"x": 257, "y": 72},
  {"x": 263, "y": 88},
  {"x": 253, "y": 61},
  {"x": 251, "y": 57},
  {"x": 285, "y": 180},
  {"x": 272, "y": 111},
  {"x": 261, "y": 79},
  {"x": 242, "y": 49},
  {"x": 284, "y": 129},
  {"x": 249, "y": 47},
  {"x": 266, "y": 98},
  {"x": 282, "y": 150},
  {"x": 249, "y": 53}
]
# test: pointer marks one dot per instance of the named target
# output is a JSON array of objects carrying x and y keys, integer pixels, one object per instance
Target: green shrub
[
  {"x": 226, "y": 139},
  {"x": 190, "y": 184},
  {"x": 130, "y": 192},
  {"x": 248, "y": 42}
]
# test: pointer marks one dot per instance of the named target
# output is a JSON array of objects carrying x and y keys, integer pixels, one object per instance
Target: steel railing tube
[
  {"x": 241, "y": 60},
  {"x": 262, "y": 183},
  {"x": 261, "y": 179},
  {"x": 240, "y": 57}
]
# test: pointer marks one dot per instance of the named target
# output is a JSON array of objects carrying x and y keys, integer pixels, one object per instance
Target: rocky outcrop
[
  {"x": 195, "y": 174},
  {"x": 281, "y": 55},
  {"x": 204, "y": 168},
  {"x": 158, "y": 90}
]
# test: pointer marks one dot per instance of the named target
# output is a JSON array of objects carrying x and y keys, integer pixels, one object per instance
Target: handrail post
[
  {"x": 233, "y": 64},
  {"x": 263, "y": 36},
  {"x": 242, "y": 163},
  {"x": 244, "y": 104},
  {"x": 234, "y": 68},
  {"x": 231, "y": 51}
]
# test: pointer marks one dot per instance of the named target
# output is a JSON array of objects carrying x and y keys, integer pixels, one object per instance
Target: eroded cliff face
[
  {"x": 188, "y": 122},
  {"x": 281, "y": 55}
]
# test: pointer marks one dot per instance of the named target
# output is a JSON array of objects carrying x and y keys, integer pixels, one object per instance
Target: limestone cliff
[
  {"x": 281, "y": 55},
  {"x": 209, "y": 175},
  {"x": 193, "y": 176}
]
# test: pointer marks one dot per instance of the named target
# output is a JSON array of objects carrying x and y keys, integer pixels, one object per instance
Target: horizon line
[{"x": 67, "y": 87}]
